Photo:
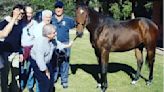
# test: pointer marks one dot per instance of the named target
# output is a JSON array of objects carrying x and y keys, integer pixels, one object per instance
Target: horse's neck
[{"x": 93, "y": 20}]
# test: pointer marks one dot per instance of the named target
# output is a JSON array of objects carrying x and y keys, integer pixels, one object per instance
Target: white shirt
[
  {"x": 42, "y": 51},
  {"x": 39, "y": 30},
  {"x": 27, "y": 37}
]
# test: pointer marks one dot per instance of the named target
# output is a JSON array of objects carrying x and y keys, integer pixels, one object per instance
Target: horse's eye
[{"x": 76, "y": 24}]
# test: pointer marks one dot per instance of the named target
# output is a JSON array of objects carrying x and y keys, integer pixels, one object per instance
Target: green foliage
[
  {"x": 121, "y": 11},
  {"x": 148, "y": 6},
  {"x": 94, "y": 3},
  {"x": 115, "y": 9},
  {"x": 69, "y": 5},
  {"x": 127, "y": 8},
  {"x": 7, "y": 5},
  {"x": 42, "y": 4}
]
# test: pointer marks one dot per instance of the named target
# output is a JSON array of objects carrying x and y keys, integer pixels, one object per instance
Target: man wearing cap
[{"x": 63, "y": 24}]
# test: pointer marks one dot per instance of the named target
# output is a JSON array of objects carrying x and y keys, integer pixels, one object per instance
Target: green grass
[{"x": 84, "y": 64}]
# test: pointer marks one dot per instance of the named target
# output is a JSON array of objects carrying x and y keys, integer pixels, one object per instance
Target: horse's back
[
  {"x": 146, "y": 28},
  {"x": 126, "y": 35}
]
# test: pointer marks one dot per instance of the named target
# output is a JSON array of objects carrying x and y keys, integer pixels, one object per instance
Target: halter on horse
[{"x": 108, "y": 35}]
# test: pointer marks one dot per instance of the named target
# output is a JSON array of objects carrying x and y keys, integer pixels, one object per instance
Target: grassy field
[{"x": 83, "y": 71}]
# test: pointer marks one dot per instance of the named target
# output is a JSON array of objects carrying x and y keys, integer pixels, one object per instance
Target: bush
[{"x": 121, "y": 11}]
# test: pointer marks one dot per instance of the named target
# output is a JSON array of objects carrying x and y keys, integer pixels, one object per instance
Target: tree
[
  {"x": 127, "y": 9},
  {"x": 69, "y": 5},
  {"x": 7, "y": 5},
  {"x": 115, "y": 9},
  {"x": 121, "y": 10}
]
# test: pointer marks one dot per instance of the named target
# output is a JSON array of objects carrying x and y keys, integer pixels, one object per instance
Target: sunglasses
[
  {"x": 58, "y": 6},
  {"x": 22, "y": 13}
]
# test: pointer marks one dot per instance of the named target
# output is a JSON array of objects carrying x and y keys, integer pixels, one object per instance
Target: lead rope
[{"x": 75, "y": 38}]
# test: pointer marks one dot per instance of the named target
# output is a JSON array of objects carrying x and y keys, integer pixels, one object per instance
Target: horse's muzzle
[{"x": 79, "y": 34}]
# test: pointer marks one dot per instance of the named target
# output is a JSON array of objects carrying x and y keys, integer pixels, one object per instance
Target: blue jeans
[
  {"x": 29, "y": 80},
  {"x": 62, "y": 67}
]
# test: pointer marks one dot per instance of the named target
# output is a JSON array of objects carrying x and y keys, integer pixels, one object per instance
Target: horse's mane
[{"x": 106, "y": 19}]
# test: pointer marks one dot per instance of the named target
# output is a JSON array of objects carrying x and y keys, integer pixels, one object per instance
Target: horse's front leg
[
  {"x": 104, "y": 69},
  {"x": 98, "y": 55}
]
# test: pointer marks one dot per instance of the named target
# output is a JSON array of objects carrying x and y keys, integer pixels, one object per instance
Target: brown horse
[{"x": 108, "y": 35}]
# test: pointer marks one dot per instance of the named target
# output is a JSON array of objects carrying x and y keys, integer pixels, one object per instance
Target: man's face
[
  {"x": 59, "y": 11},
  {"x": 47, "y": 19},
  {"x": 29, "y": 13},
  {"x": 52, "y": 34}
]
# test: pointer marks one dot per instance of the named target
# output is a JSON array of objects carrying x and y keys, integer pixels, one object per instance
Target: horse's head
[{"x": 81, "y": 19}]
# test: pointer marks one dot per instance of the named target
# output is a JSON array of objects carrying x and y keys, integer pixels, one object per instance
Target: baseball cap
[{"x": 59, "y": 4}]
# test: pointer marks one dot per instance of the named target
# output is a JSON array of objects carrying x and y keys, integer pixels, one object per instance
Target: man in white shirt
[{"x": 27, "y": 39}]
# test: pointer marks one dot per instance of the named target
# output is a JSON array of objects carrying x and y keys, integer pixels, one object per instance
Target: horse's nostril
[{"x": 79, "y": 34}]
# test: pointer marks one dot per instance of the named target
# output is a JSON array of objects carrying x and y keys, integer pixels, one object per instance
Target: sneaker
[
  {"x": 65, "y": 85},
  {"x": 31, "y": 90}
]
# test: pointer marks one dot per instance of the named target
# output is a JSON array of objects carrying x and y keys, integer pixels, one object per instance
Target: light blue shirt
[{"x": 42, "y": 51}]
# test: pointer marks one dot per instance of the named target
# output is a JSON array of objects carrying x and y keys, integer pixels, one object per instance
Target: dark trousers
[
  {"x": 45, "y": 84},
  {"x": 13, "y": 87},
  {"x": 5, "y": 73}
]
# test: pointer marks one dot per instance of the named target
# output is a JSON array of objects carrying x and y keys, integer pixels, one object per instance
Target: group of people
[{"x": 35, "y": 51}]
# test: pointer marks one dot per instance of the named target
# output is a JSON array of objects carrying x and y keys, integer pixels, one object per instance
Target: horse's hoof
[
  {"x": 98, "y": 85},
  {"x": 133, "y": 82},
  {"x": 148, "y": 83},
  {"x": 103, "y": 90}
]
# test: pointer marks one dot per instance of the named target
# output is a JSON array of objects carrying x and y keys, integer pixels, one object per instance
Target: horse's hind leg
[
  {"x": 104, "y": 69},
  {"x": 139, "y": 57},
  {"x": 150, "y": 58}
]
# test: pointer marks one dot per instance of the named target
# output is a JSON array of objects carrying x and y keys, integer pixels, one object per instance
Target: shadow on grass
[{"x": 94, "y": 69}]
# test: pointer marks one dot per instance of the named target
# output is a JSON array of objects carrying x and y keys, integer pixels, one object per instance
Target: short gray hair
[
  {"x": 47, "y": 29},
  {"x": 44, "y": 12}
]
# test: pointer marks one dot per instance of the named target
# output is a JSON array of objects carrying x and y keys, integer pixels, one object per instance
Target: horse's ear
[
  {"x": 86, "y": 2},
  {"x": 82, "y": 2}
]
